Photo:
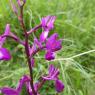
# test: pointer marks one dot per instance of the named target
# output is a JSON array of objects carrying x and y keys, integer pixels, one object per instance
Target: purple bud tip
[{"x": 21, "y": 2}]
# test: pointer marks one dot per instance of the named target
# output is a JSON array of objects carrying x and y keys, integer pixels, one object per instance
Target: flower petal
[
  {"x": 44, "y": 36},
  {"x": 32, "y": 49},
  {"x": 22, "y": 81},
  {"x": 59, "y": 86},
  {"x": 49, "y": 55},
  {"x": 37, "y": 42},
  {"x": 53, "y": 44},
  {"x": 9, "y": 91},
  {"x": 53, "y": 73},
  {"x": 4, "y": 54},
  {"x": 7, "y": 31},
  {"x": 51, "y": 68},
  {"x": 48, "y": 22}
]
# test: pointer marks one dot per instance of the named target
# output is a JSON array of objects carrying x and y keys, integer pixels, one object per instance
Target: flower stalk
[
  {"x": 27, "y": 49},
  {"x": 49, "y": 44}
]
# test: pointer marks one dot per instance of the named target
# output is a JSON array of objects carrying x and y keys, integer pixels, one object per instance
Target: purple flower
[
  {"x": 49, "y": 55},
  {"x": 44, "y": 35},
  {"x": 52, "y": 45},
  {"x": 47, "y": 25},
  {"x": 48, "y": 22},
  {"x": 53, "y": 75},
  {"x": 59, "y": 86},
  {"x": 4, "y": 53},
  {"x": 9, "y": 91}
]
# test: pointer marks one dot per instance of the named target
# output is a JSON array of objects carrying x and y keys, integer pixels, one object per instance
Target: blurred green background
[{"x": 75, "y": 24}]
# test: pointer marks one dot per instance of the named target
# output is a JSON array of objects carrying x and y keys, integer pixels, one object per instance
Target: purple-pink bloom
[
  {"x": 44, "y": 35},
  {"x": 49, "y": 55},
  {"x": 4, "y": 53},
  {"x": 47, "y": 24},
  {"x": 53, "y": 75},
  {"x": 9, "y": 91},
  {"x": 59, "y": 86},
  {"x": 52, "y": 45}
]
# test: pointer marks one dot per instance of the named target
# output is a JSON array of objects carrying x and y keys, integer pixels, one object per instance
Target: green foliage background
[{"x": 76, "y": 26}]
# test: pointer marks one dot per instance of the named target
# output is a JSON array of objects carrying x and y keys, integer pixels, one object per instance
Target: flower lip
[
  {"x": 49, "y": 55},
  {"x": 59, "y": 86},
  {"x": 53, "y": 43},
  {"x": 4, "y": 54},
  {"x": 9, "y": 91}
]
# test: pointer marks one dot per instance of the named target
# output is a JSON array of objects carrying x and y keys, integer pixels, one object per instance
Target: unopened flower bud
[{"x": 21, "y": 2}]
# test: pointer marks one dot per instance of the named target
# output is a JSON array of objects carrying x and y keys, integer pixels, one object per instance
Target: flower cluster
[
  {"x": 50, "y": 44},
  {"x": 25, "y": 80}
]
